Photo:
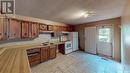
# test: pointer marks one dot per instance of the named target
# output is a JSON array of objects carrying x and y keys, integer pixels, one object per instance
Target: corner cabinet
[{"x": 14, "y": 29}]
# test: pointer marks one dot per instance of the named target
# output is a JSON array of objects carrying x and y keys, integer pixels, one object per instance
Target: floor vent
[{"x": 104, "y": 59}]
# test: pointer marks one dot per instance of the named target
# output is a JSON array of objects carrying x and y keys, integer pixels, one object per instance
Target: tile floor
[{"x": 78, "y": 62}]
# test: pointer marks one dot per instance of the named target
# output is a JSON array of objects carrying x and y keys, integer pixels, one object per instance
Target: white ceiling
[{"x": 68, "y": 11}]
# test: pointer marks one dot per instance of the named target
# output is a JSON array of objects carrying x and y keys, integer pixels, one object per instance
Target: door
[
  {"x": 104, "y": 41},
  {"x": 90, "y": 40},
  {"x": 14, "y": 29}
]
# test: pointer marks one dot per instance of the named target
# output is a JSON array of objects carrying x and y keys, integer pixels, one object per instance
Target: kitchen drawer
[
  {"x": 34, "y": 62},
  {"x": 33, "y": 57},
  {"x": 33, "y": 50}
]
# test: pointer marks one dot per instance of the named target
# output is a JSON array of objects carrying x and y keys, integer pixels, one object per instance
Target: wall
[
  {"x": 126, "y": 37},
  {"x": 115, "y": 22}
]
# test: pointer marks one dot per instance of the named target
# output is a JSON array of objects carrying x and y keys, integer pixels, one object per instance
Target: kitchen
[
  {"x": 28, "y": 34},
  {"x": 81, "y": 36}
]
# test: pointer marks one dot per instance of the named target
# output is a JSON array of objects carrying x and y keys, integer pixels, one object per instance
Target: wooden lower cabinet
[
  {"x": 61, "y": 48},
  {"x": 53, "y": 52},
  {"x": 35, "y": 59},
  {"x": 44, "y": 54},
  {"x": 38, "y": 55},
  {"x": 34, "y": 56}
]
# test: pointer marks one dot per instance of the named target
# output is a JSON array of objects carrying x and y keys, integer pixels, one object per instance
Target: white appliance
[
  {"x": 68, "y": 47},
  {"x": 73, "y": 36}
]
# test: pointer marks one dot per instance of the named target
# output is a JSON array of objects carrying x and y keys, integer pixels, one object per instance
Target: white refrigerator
[{"x": 73, "y": 36}]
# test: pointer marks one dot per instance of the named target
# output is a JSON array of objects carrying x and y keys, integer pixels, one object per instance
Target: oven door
[{"x": 68, "y": 45}]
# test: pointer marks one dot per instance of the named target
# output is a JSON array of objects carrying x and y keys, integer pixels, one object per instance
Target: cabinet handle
[
  {"x": 14, "y": 34},
  {"x": 25, "y": 33},
  {"x": 5, "y": 33}
]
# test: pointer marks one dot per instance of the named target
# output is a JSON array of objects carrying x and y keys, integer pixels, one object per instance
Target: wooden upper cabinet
[
  {"x": 14, "y": 29},
  {"x": 35, "y": 30},
  {"x": 55, "y": 28},
  {"x": 30, "y": 29},
  {"x": 43, "y": 27},
  {"x": 3, "y": 29},
  {"x": 50, "y": 28},
  {"x": 25, "y": 29}
]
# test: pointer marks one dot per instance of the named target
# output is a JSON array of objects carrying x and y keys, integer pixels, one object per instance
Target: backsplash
[{"x": 42, "y": 38}]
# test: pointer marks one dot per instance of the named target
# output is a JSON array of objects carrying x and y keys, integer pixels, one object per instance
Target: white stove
[{"x": 68, "y": 47}]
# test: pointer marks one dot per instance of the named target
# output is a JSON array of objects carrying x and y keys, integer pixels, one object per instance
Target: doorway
[{"x": 104, "y": 41}]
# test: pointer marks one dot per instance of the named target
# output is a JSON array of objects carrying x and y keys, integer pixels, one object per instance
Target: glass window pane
[{"x": 104, "y": 35}]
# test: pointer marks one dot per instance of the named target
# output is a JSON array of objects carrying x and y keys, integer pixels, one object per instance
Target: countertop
[{"x": 13, "y": 59}]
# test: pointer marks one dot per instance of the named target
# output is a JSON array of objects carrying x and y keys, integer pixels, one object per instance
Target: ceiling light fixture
[{"x": 88, "y": 14}]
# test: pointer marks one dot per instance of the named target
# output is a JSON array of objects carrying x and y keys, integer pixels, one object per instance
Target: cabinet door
[
  {"x": 35, "y": 30},
  {"x": 30, "y": 29},
  {"x": 34, "y": 56},
  {"x": 1, "y": 29},
  {"x": 53, "y": 52},
  {"x": 50, "y": 27},
  {"x": 14, "y": 29},
  {"x": 43, "y": 27},
  {"x": 25, "y": 29},
  {"x": 44, "y": 54},
  {"x": 61, "y": 48}
]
